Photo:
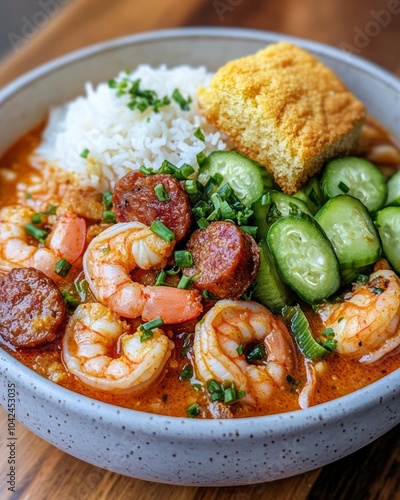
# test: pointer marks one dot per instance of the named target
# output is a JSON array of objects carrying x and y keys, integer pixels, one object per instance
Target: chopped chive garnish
[
  {"x": 229, "y": 395},
  {"x": 215, "y": 390},
  {"x": 185, "y": 283},
  {"x": 37, "y": 218},
  {"x": 377, "y": 290},
  {"x": 160, "y": 192},
  {"x": 150, "y": 325},
  {"x": 183, "y": 258},
  {"x": 201, "y": 158},
  {"x": 162, "y": 231},
  {"x": 199, "y": 134},
  {"x": 256, "y": 354},
  {"x": 187, "y": 372},
  {"x": 225, "y": 392},
  {"x": 71, "y": 301},
  {"x": 203, "y": 223},
  {"x": 240, "y": 394},
  {"x": 85, "y": 153},
  {"x": 252, "y": 230},
  {"x": 342, "y": 186},
  {"x": 105, "y": 249},
  {"x": 193, "y": 410},
  {"x": 109, "y": 217},
  {"x": 191, "y": 186},
  {"x": 197, "y": 387},
  {"x": 183, "y": 103},
  {"x": 208, "y": 295},
  {"x": 112, "y": 84},
  {"x": 35, "y": 232},
  {"x": 62, "y": 267},
  {"x": 107, "y": 200},
  {"x": 138, "y": 98},
  {"x": 51, "y": 210},
  {"x": 239, "y": 349},
  {"x": 82, "y": 287},
  {"x": 330, "y": 344},
  {"x": 160, "y": 280},
  {"x": 186, "y": 170},
  {"x": 172, "y": 271},
  {"x": 146, "y": 170},
  {"x": 340, "y": 319},
  {"x": 146, "y": 335},
  {"x": 187, "y": 344},
  {"x": 28, "y": 196},
  {"x": 328, "y": 332},
  {"x": 362, "y": 278}
]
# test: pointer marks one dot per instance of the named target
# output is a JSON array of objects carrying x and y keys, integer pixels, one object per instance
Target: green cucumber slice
[
  {"x": 302, "y": 335},
  {"x": 312, "y": 195},
  {"x": 356, "y": 177},
  {"x": 393, "y": 198},
  {"x": 351, "y": 231},
  {"x": 388, "y": 223},
  {"x": 304, "y": 257},
  {"x": 269, "y": 289},
  {"x": 272, "y": 206},
  {"x": 248, "y": 179}
]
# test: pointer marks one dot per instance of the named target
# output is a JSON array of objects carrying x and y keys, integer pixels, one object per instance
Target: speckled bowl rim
[{"x": 336, "y": 410}]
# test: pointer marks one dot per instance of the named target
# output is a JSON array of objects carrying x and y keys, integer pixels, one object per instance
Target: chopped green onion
[
  {"x": 160, "y": 280},
  {"x": 37, "y": 218},
  {"x": 208, "y": 295},
  {"x": 377, "y": 290},
  {"x": 187, "y": 372},
  {"x": 203, "y": 223},
  {"x": 328, "y": 332},
  {"x": 215, "y": 390},
  {"x": 340, "y": 319},
  {"x": 256, "y": 354},
  {"x": 82, "y": 287},
  {"x": 229, "y": 395},
  {"x": 173, "y": 271},
  {"x": 240, "y": 394},
  {"x": 146, "y": 170},
  {"x": 252, "y": 230},
  {"x": 212, "y": 182},
  {"x": 199, "y": 134},
  {"x": 197, "y": 387},
  {"x": 193, "y": 411},
  {"x": 362, "y": 278},
  {"x": 71, "y": 301},
  {"x": 85, "y": 153},
  {"x": 187, "y": 344},
  {"x": 330, "y": 344},
  {"x": 105, "y": 249},
  {"x": 342, "y": 186},
  {"x": 112, "y": 84},
  {"x": 191, "y": 186},
  {"x": 183, "y": 103},
  {"x": 161, "y": 193},
  {"x": 28, "y": 196},
  {"x": 150, "y": 325},
  {"x": 109, "y": 217},
  {"x": 162, "y": 231},
  {"x": 239, "y": 349},
  {"x": 62, "y": 267},
  {"x": 183, "y": 258},
  {"x": 146, "y": 335},
  {"x": 35, "y": 232},
  {"x": 107, "y": 200},
  {"x": 186, "y": 170},
  {"x": 185, "y": 283},
  {"x": 201, "y": 158}
]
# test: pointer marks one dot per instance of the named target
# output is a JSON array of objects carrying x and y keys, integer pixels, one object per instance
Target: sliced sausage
[
  {"x": 225, "y": 257},
  {"x": 134, "y": 199},
  {"x": 32, "y": 309}
]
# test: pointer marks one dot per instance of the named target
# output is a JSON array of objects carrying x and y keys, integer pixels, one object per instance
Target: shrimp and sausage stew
[{"x": 216, "y": 289}]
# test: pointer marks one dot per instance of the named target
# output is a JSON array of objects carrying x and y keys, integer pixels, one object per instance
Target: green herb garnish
[
  {"x": 62, "y": 267},
  {"x": 199, "y": 134},
  {"x": 183, "y": 103},
  {"x": 193, "y": 411},
  {"x": 161, "y": 193},
  {"x": 162, "y": 231},
  {"x": 85, "y": 153},
  {"x": 39, "y": 234},
  {"x": 257, "y": 353},
  {"x": 187, "y": 372}
]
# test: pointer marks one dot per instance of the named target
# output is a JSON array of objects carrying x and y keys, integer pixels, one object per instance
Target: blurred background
[{"x": 34, "y": 31}]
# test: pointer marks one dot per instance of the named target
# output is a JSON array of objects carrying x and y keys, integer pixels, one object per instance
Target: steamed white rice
[{"x": 120, "y": 139}]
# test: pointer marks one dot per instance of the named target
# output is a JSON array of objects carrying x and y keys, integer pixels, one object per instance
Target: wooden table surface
[{"x": 370, "y": 28}]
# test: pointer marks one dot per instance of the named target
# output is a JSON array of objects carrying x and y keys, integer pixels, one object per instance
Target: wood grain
[{"x": 45, "y": 472}]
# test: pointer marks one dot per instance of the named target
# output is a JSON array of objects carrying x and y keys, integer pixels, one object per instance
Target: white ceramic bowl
[{"x": 180, "y": 450}]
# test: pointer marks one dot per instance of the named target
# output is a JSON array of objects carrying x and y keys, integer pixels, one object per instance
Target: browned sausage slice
[
  {"x": 32, "y": 309},
  {"x": 134, "y": 199},
  {"x": 225, "y": 257}
]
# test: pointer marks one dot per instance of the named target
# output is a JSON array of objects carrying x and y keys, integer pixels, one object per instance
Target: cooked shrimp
[
  {"x": 232, "y": 323},
  {"x": 367, "y": 323},
  {"x": 93, "y": 336},
  {"x": 114, "y": 254},
  {"x": 15, "y": 251}
]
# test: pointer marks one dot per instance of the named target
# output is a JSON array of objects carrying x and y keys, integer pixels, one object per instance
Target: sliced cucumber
[
  {"x": 393, "y": 198},
  {"x": 351, "y": 231},
  {"x": 304, "y": 257},
  {"x": 356, "y": 177},
  {"x": 269, "y": 289},
  {"x": 388, "y": 223},
  {"x": 312, "y": 195},
  {"x": 247, "y": 178},
  {"x": 302, "y": 335},
  {"x": 272, "y": 206}
]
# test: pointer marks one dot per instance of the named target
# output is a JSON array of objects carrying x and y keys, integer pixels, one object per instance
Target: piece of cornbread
[{"x": 285, "y": 109}]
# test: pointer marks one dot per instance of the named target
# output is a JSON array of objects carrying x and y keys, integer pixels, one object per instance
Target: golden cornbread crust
[{"x": 284, "y": 109}]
